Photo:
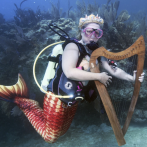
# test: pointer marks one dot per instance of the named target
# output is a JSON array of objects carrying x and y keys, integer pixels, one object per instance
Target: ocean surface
[{"x": 24, "y": 33}]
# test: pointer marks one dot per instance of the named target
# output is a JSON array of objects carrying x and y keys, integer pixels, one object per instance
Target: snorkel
[{"x": 53, "y": 26}]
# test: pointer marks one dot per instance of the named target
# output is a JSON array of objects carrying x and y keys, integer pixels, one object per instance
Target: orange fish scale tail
[
  {"x": 58, "y": 117},
  {"x": 50, "y": 122},
  {"x": 33, "y": 112},
  {"x": 19, "y": 89}
]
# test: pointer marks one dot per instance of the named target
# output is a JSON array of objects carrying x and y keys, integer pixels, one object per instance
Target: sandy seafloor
[{"x": 86, "y": 130}]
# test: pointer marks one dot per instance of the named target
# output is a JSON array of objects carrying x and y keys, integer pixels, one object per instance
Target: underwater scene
[{"x": 114, "y": 115}]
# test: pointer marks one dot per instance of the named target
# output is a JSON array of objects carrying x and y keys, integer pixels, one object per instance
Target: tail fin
[{"x": 8, "y": 93}]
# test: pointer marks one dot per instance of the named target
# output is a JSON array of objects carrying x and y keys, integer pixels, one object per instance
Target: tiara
[{"x": 91, "y": 18}]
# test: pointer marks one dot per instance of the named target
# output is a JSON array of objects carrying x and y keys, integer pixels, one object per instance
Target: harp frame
[{"x": 138, "y": 48}]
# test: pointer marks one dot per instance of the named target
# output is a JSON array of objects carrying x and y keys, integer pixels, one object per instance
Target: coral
[
  {"x": 81, "y": 6},
  {"x": 22, "y": 2},
  {"x": 55, "y": 11},
  {"x": 117, "y": 36},
  {"x": 72, "y": 15},
  {"x": 116, "y": 5},
  {"x": 69, "y": 10},
  {"x": 123, "y": 16},
  {"x": 92, "y": 8},
  {"x": 124, "y": 31},
  {"x": 25, "y": 17},
  {"x": 6, "y": 45},
  {"x": 109, "y": 12},
  {"x": 28, "y": 17},
  {"x": 106, "y": 11},
  {"x": 139, "y": 26},
  {"x": 20, "y": 33}
]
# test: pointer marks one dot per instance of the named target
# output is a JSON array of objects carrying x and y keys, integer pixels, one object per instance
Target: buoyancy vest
[{"x": 60, "y": 84}]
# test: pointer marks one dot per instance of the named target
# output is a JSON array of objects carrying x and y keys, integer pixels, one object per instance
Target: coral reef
[
  {"x": 29, "y": 18},
  {"x": 56, "y": 11},
  {"x": 81, "y": 7},
  {"x": 19, "y": 47},
  {"x": 25, "y": 17}
]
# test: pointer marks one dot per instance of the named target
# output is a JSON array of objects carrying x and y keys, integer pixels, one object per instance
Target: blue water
[
  {"x": 17, "y": 55},
  {"x": 7, "y": 7}
]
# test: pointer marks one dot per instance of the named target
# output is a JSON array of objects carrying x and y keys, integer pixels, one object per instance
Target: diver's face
[{"x": 93, "y": 37}]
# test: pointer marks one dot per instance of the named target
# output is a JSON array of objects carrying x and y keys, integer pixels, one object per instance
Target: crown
[{"x": 91, "y": 18}]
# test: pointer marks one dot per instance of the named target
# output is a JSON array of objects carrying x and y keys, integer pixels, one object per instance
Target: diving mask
[{"x": 90, "y": 31}]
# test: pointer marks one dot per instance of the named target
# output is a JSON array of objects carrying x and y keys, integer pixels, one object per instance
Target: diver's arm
[
  {"x": 117, "y": 72},
  {"x": 70, "y": 58}
]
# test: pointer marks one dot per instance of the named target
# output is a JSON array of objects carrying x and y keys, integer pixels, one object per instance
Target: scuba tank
[
  {"x": 53, "y": 58},
  {"x": 54, "y": 79},
  {"x": 51, "y": 67}
]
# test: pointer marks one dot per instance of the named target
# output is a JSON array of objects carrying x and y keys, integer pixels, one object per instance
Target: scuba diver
[{"x": 71, "y": 78}]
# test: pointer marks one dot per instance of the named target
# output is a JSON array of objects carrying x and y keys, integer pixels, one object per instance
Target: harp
[{"x": 138, "y": 48}]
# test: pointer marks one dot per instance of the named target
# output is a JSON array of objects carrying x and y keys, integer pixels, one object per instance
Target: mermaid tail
[{"x": 50, "y": 122}]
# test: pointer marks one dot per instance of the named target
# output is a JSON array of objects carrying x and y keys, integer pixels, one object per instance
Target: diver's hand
[
  {"x": 105, "y": 79},
  {"x": 141, "y": 78}
]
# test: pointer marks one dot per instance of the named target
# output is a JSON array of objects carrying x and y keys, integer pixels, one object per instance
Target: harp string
[
  {"x": 121, "y": 103},
  {"x": 122, "y": 98}
]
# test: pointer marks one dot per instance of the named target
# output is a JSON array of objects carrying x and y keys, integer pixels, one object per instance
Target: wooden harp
[{"x": 138, "y": 48}]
